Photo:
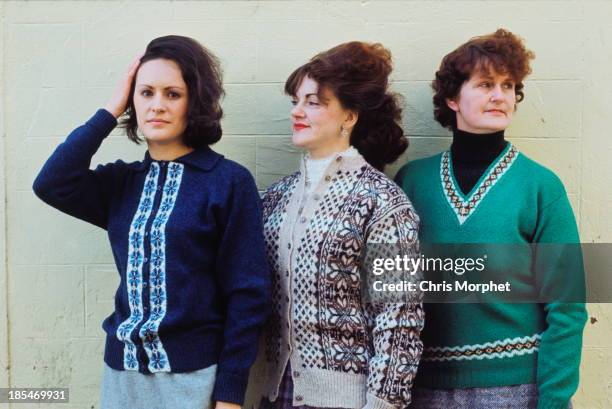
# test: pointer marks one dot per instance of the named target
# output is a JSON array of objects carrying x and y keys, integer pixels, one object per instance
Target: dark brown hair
[
  {"x": 202, "y": 73},
  {"x": 357, "y": 74},
  {"x": 501, "y": 51}
]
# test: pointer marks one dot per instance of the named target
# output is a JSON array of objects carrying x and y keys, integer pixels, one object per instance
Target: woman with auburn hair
[
  {"x": 325, "y": 345},
  {"x": 483, "y": 190},
  {"x": 185, "y": 228}
]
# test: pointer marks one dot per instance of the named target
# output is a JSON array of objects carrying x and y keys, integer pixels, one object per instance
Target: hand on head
[{"x": 118, "y": 102}]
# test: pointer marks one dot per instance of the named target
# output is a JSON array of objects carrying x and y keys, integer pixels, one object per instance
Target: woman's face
[
  {"x": 318, "y": 122},
  {"x": 160, "y": 100},
  {"x": 485, "y": 103}
]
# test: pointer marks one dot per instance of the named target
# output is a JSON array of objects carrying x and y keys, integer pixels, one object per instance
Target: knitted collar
[
  {"x": 202, "y": 158},
  {"x": 464, "y": 205},
  {"x": 350, "y": 159},
  {"x": 474, "y": 148}
]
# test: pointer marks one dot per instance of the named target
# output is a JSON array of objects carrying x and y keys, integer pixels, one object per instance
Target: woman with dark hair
[
  {"x": 326, "y": 345},
  {"x": 483, "y": 190},
  {"x": 185, "y": 228}
]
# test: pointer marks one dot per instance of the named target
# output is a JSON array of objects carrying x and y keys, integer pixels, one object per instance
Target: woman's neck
[
  {"x": 167, "y": 152},
  {"x": 469, "y": 147},
  {"x": 327, "y": 151}
]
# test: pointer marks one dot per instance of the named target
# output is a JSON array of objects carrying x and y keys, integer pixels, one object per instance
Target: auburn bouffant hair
[
  {"x": 501, "y": 51},
  {"x": 357, "y": 73}
]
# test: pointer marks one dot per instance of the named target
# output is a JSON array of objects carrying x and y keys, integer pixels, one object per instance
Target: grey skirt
[
  {"x": 500, "y": 397},
  {"x": 129, "y": 389}
]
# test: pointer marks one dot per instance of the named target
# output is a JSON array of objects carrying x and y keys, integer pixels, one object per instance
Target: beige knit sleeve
[{"x": 396, "y": 322}]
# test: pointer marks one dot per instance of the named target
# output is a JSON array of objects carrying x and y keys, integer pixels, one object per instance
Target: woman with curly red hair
[
  {"x": 325, "y": 346},
  {"x": 483, "y": 190}
]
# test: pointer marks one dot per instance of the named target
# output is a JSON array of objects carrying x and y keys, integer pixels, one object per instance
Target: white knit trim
[
  {"x": 134, "y": 268},
  {"x": 465, "y": 207},
  {"x": 158, "y": 358}
]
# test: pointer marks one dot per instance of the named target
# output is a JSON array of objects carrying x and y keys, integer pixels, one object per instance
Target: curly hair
[
  {"x": 357, "y": 73},
  {"x": 202, "y": 74},
  {"x": 501, "y": 51}
]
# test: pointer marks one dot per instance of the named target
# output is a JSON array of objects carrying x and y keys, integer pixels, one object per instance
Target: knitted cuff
[
  {"x": 551, "y": 403},
  {"x": 374, "y": 402}
]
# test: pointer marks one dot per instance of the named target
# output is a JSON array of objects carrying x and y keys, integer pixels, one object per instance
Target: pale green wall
[
  {"x": 61, "y": 61},
  {"x": 4, "y": 381}
]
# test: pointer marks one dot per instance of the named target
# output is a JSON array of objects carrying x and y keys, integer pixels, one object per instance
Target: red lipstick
[{"x": 298, "y": 126}]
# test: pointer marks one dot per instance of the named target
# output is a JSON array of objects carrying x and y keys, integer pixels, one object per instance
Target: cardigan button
[
  {"x": 327, "y": 178},
  {"x": 302, "y": 219},
  {"x": 299, "y": 398},
  {"x": 296, "y": 374},
  {"x": 339, "y": 159},
  {"x": 289, "y": 246}
]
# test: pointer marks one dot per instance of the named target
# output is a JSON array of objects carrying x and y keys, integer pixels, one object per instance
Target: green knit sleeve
[{"x": 559, "y": 276}]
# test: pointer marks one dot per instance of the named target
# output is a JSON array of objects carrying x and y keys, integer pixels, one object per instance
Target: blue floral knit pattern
[
  {"x": 134, "y": 268},
  {"x": 158, "y": 359}
]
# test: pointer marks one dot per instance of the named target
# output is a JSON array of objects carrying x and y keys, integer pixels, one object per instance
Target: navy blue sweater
[{"x": 187, "y": 240}]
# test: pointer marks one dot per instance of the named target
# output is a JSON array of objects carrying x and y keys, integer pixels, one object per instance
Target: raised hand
[{"x": 118, "y": 102}]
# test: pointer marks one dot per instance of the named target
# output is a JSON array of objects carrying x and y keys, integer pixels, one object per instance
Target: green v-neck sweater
[{"x": 516, "y": 201}]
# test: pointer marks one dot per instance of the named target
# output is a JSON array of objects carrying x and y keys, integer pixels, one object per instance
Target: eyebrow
[
  {"x": 483, "y": 76},
  {"x": 488, "y": 76},
  {"x": 170, "y": 87},
  {"x": 307, "y": 95}
]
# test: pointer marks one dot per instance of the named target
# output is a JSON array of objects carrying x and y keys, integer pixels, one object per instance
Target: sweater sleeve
[
  {"x": 560, "y": 281},
  {"x": 244, "y": 278},
  {"x": 396, "y": 324},
  {"x": 66, "y": 182},
  {"x": 402, "y": 179}
]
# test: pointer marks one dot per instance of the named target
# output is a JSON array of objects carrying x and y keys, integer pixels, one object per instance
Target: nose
[
  {"x": 297, "y": 111},
  {"x": 157, "y": 104},
  {"x": 497, "y": 93}
]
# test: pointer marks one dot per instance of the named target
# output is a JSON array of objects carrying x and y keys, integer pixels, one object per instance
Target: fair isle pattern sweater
[
  {"x": 187, "y": 240},
  {"x": 494, "y": 344},
  {"x": 343, "y": 353}
]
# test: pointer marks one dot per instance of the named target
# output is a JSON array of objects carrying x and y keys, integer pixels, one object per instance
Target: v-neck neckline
[{"x": 464, "y": 205}]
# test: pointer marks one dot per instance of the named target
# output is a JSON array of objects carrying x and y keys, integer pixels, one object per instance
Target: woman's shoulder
[
  {"x": 548, "y": 184},
  {"x": 539, "y": 172},
  {"x": 119, "y": 168},
  {"x": 390, "y": 207},
  {"x": 418, "y": 168},
  {"x": 234, "y": 170},
  {"x": 380, "y": 183},
  {"x": 388, "y": 195},
  {"x": 283, "y": 184}
]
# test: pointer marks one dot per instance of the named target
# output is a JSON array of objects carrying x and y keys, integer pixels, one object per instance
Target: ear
[
  {"x": 452, "y": 104},
  {"x": 351, "y": 120}
]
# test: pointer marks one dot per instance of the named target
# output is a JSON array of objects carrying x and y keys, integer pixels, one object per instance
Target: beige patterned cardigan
[{"x": 343, "y": 353}]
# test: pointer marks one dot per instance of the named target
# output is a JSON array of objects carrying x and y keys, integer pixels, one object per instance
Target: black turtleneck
[{"x": 472, "y": 154}]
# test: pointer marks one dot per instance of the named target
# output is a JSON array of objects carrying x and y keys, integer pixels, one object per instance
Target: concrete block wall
[
  {"x": 4, "y": 362},
  {"x": 61, "y": 61}
]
